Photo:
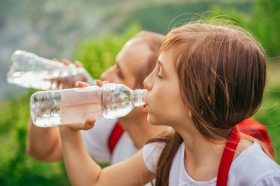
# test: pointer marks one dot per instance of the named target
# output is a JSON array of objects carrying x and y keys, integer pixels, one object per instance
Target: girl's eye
[
  {"x": 158, "y": 71},
  {"x": 159, "y": 77}
]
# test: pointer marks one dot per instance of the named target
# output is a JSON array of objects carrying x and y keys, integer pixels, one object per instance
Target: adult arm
[{"x": 44, "y": 144}]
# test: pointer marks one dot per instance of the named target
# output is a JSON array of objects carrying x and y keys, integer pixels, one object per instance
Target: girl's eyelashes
[
  {"x": 159, "y": 76},
  {"x": 158, "y": 71}
]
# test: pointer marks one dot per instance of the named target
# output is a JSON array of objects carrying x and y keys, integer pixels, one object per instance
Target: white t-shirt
[
  {"x": 251, "y": 167},
  {"x": 96, "y": 143}
]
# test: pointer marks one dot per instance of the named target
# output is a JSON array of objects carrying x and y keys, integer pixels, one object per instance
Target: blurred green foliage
[
  {"x": 268, "y": 113},
  {"x": 262, "y": 21},
  {"x": 161, "y": 18},
  {"x": 16, "y": 167}
]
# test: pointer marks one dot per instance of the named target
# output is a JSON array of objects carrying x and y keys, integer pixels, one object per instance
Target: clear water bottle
[
  {"x": 31, "y": 71},
  {"x": 57, "y": 107}
]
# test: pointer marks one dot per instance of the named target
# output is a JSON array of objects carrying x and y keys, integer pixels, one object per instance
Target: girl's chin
[{"x": 152, "y": 120}]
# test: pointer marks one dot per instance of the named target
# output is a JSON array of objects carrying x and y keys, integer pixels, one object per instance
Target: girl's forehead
[
  {"x": 166, "y": 56},
  {"x": 166, "y": 59}
]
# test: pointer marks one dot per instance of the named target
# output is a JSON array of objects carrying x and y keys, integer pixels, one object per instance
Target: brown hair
[
  {"x": 222, "y": 74},
  {"x": 154, "y": 42}
]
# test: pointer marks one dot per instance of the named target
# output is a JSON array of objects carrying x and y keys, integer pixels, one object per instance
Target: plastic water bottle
[
  {"x": 31, "y": 71},
  {"x": 57, "y": 107}
]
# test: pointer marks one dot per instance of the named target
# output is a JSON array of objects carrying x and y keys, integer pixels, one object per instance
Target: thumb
[{"x": 89, "y": 123}]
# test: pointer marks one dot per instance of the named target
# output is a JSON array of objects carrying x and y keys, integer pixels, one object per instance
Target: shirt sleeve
[
  {"x": 151, "y": 153},
  {"x": 272, "y": 179}
]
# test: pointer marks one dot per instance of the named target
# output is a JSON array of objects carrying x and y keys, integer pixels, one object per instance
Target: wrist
[{"x": 68, "y": 132}]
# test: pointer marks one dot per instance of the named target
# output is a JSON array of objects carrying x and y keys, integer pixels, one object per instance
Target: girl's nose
[{"x": 147, "y": 83}]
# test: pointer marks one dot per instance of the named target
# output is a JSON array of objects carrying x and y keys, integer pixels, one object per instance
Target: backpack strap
[
  {"x": 227, "y": 157},
  {"x": 115, "y": 136},
  {"x": 257, "y": 130}
]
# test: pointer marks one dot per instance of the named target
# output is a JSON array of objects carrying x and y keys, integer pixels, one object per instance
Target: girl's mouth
[{"x": 145, "y": 104}]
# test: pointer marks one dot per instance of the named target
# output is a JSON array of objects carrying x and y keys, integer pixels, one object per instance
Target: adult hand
[{"x": 68, "y": 81}]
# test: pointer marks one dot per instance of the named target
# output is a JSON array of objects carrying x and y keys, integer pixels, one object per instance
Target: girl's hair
[
  {"x": 154, "y": 42},
  {"x": 222, "y": 73}
]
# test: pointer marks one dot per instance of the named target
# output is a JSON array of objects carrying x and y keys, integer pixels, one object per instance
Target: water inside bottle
[
  {"x": 117, "y": 102},
  {"x": 45, "y": 109},
  {"x": 45, "y": 80},
  {"x": 113, "y": 113},
  {"x": 69, "y": 106},
  {"x": 48, "y": 122},
  {"x": 39, "y": 80},
  {"x": 30, "y": 71},
  {"x": 50, "y": 108}
]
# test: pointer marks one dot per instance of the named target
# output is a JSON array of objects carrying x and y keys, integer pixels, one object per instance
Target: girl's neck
[
  {"x": 202, "y": 157},
  {"x": 140, "y": 130}
]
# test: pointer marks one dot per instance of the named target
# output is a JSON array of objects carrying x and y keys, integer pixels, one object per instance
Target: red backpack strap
[
  {"x": 227, "y": 157},
  {"x": 115, "y": 136},
  {"x": 256, "y": 130}
]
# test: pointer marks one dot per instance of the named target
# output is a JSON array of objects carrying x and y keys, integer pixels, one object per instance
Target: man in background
[{"x": 110, "y": 141}]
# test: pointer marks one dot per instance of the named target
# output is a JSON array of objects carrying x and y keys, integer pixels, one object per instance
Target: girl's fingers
[
  {"x": 89, "y": 123},
  {"x": 74, "y": 127},
  {"x": 99, "y": 83}
]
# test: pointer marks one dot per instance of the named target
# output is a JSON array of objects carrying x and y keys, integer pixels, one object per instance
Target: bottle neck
[{"x": 138, "y": 97}]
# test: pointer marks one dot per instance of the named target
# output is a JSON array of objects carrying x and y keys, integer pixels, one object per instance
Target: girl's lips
[{"x": 145, "y": 104}]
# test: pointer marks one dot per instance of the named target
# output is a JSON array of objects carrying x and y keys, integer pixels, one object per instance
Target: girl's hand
[
  {"x": 88, "y": 124},
  {"x": 101, "y": 83}
]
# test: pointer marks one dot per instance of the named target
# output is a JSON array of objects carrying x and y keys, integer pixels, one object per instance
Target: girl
[{"x": 208, "y": 78}]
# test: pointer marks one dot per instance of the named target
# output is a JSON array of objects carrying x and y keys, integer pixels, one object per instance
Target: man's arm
[{"x": 44, "y": 144}]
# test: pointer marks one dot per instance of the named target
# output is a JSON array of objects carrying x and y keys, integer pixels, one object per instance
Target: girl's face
[{"x": 164, "y": 101}]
